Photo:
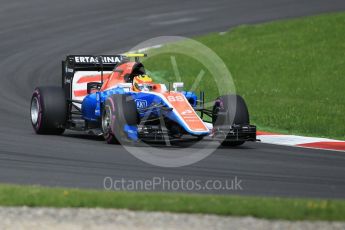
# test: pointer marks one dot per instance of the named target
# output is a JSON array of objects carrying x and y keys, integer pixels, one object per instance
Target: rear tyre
[
  {"x": 229, "y": 110},
  {"x": 119, "y": 110},
  {"x": 48, "y": 110}
]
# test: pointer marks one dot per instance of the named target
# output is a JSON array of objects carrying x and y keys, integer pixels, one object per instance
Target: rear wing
[
  {"x": 75, "y": 63},
  {"x": 93, "y": 63}
]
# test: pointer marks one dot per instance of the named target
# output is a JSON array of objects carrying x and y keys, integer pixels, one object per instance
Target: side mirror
[
  {"x": 92, "y": 86},
  {"x": 177, "y": 85}
]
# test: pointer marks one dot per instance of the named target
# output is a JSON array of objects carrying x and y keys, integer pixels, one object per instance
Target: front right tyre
[{"x": 230, "y": 110}]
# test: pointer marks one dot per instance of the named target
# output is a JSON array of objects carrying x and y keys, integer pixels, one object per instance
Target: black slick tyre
[
  {"x": 48, "y": 110},
  {"x": 229, "y": 110},
  {"x": 119, "y": 110}
]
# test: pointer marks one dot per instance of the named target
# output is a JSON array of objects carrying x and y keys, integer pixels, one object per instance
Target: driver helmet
[{"x": 141, "y": 83}]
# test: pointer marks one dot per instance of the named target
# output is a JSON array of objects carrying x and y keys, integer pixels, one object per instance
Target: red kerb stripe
[
  {"x": 266, "y": 133},
  {"x": 325, "y": 145}
]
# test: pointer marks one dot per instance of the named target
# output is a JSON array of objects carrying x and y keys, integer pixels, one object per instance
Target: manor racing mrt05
[{"x": 111, "y": 95}]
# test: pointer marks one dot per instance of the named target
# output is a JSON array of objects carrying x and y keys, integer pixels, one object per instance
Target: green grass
[
  {"x": 291, "y": 73},
  {"x": 269, "y": 208}
]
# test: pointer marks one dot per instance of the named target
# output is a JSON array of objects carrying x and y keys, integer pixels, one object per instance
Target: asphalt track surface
[{"x": 35, "y": 35}]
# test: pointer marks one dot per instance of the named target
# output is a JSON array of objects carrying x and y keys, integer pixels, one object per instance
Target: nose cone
[{"x": 185, "y": 114}]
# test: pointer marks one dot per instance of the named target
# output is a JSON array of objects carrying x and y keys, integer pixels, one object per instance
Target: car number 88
[{"x": 175, "y": 98}]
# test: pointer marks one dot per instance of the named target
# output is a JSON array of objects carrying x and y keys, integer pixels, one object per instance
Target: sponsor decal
[
  {"x": 91, "y": 59},
  {"x": 141, "y": 104},
  {"x": 187, "y": 112}
]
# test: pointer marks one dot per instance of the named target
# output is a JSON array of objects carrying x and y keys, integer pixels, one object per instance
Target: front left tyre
[
  {"x": 119, "y": 110},
  {"x": 48, "y": 110}
]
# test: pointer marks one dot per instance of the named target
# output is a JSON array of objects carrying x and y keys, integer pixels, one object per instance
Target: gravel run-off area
[{"x": 81, "y": 218}]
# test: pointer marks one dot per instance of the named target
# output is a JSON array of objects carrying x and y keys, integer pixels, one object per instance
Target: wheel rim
[
  {"x": 35, "y": 109},
  {"x": 106, "y": 121}
]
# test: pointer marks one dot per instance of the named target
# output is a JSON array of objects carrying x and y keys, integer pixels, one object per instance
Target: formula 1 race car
[{"x": 111, "y": 95}]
